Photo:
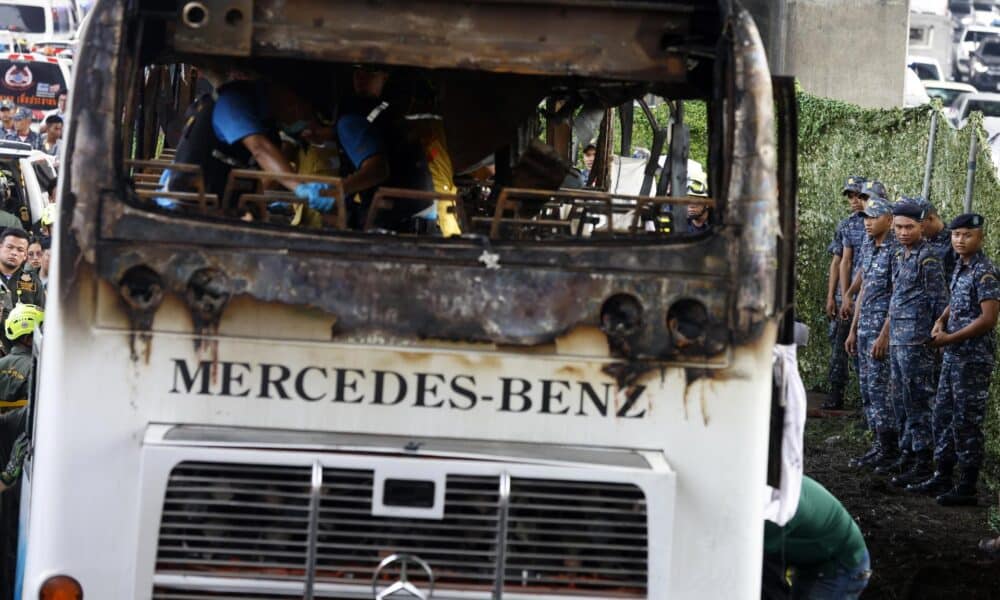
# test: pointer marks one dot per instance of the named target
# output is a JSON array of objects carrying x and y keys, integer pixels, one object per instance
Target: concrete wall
[{"x": 853, "y": 50}]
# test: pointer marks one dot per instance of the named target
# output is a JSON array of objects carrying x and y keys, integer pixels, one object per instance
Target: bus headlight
[{"x": 60, "y": 587}]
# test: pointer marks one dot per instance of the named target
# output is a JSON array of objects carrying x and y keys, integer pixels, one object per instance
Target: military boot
[
  {"x": 868, "y": 458},
  {"x": 894, "y": 461},
  {"x": 936, "y": 485},
  {"x": 834, "y": 400},
  {"x": 963, "y": 494},
  {"x": 922, "y": 469}
]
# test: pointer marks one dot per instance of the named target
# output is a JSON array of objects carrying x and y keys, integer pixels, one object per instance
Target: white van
[{"x": 39, "y": 20}]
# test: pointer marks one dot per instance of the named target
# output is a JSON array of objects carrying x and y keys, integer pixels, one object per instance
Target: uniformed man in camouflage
[
  {"x": 869, "y": 337},
  {"x": 848, "y": 234},
  {"x": 965, "y": 331},
  {"x": 937, "y": 235},
  {"x": 919, "y": 296}
]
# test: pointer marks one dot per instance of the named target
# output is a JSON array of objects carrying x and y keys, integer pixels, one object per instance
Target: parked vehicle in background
[
  {"x": 984, "y": 11},
  {"x": 926, "y": 68},
  {"x": 932, "y": 33},
  {"x": 986, "y": 103},
  {"x": 33, "y": 81},
  {"x": 22, "y": 173},
  {"x": 968, "y": 41},
  {"x": 914, "y": 93},
  {"x": 39, "y": 20},
  {"x": 947, "y": 91},
  {"x": 961, "y": 14},
  {"x": 984, "y": 66}
]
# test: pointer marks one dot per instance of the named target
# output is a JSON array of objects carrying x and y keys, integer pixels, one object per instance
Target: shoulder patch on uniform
[
  {"x": 987, "y": 277},
  {"x": 929, "y": 259}
]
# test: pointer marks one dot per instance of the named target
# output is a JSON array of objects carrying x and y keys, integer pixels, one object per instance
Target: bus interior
[{"x": 515, "y": 119}]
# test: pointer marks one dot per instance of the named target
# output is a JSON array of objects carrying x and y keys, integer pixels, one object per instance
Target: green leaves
[{"x": 836, "y": 140}]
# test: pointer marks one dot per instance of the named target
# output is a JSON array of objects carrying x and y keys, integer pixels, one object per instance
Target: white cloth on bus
[{"x": 781, "y": 504}]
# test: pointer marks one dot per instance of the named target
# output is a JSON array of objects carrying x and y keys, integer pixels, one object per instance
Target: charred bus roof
[{"x": 667, "y": 46}]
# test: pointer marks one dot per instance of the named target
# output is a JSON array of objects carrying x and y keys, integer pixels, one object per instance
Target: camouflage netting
[{"x": 837, "y": 139}]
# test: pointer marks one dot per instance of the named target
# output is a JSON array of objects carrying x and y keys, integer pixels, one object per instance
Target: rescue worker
[
  {"x": 697, "y": 214},
  {"x": 379, "y": 153},
  {"x": 15, "y": 384},
  {"x": 869, "y": 336},
  {"x": 15, "y": 367},
  {"x": 14, "y": 420},
  {"x": 20, "y": 286},
  {"x": 22, "y": 130},
  {"x": 822, "y": 545},
  {"x": 839, "y": 328},
  {"x": 965, "y": 331},
  {"x": 47, "y": 219},
  {"x": 919, "y": 296},
  {"x": 237, "y": 127}
]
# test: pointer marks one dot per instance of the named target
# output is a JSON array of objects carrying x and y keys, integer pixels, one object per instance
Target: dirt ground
[{"x": 919, "y": 549}]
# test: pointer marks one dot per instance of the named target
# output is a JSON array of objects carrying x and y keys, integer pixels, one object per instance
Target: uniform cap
[
  {"x": 22, "y": 320},
  {"x": 924, "y": 203},
  {"x": 967, "y": 221},
  {"x": 22, "y": 113},
  {"x": 906, "y": 207},
  {"x": 854, "y": 184},
  {"x": 876, "y": 207},
  {"x": 6, "y": 105},
  {"x": 874, "y": 189}
]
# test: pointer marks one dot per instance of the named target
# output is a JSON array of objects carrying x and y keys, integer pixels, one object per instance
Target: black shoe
[
  {"x": 963, "y": 494},
  {"x": 868, "y": 458},
  {"x": 920, "y": 471},
  {"x": 834, "y": 400},
  {"x": 938, "y": 484},
  {"x": 901, "y": 463}
]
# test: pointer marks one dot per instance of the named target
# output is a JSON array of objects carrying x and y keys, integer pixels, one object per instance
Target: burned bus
[{"x": 567, "y": 397}]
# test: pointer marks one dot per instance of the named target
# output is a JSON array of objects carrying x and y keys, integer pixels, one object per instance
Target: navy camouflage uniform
[
  {"x": 963, "y": 390},
  {"x": 873, "y": 309},
  {"x": 941, "y": 245},
  {"x": 919, "y": 297},
  {"x": 850, "y": 232}
]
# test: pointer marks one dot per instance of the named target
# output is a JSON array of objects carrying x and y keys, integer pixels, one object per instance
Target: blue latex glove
[
  {"x": 311, "y": 192},
  {"x": 430, "y": 213}
]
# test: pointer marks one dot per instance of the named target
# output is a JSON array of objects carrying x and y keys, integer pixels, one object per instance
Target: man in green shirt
[{"x": 823, "y": 546}]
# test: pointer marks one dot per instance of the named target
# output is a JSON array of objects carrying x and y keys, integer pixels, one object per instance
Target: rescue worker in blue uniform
[
  {"x": 848, "y": 234},
  {"x": 373, "y": 131},
  {"x": 919, "y": 297},
  {"x": 238, "y": 127},
  {"x": 965, "y": 331},
  {"x": 869, "y": 337}
]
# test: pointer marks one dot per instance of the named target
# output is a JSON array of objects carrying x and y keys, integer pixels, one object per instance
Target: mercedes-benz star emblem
[{"x": 402, "y": 586}]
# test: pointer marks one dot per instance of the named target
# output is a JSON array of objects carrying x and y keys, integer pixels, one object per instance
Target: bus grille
[{"x": 252, "y": 522}]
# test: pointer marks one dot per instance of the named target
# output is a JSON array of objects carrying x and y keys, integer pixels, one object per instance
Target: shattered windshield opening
[{"x": 418, "y": 152}]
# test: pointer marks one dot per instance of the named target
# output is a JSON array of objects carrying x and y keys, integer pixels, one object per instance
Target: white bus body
[{"x": 256, "y": 457}]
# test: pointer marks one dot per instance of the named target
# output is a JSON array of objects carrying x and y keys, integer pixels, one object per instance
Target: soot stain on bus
[{"x": 359, "y": 303}]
